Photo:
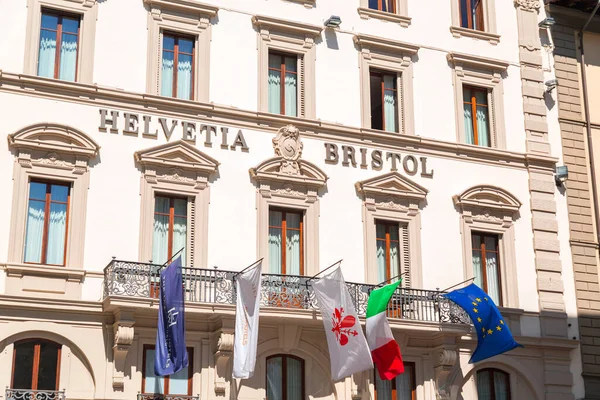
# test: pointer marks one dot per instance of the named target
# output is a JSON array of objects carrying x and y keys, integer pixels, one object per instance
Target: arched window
[
  {"x": 402, "y": 387},
  {"x": 36, "y": 365},
  {"x": 285, "y": 378},
  {"x": 493, "y": 384}
]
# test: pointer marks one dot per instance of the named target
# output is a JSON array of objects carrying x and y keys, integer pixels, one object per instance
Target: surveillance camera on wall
[{"x": 551, "y": 84}]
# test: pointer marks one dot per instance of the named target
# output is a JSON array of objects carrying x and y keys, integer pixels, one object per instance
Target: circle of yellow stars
[{"x": 485, "y": 331}]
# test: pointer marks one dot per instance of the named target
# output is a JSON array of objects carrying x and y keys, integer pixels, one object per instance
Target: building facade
[
  {"x": 575, "y": 41},
  {"x": 402, "y": 141}
]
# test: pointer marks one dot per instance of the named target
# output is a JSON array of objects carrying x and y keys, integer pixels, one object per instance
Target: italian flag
[{"x": 384, "y": 349}]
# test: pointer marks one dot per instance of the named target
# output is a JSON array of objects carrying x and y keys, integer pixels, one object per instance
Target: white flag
[
  {"x": 246, "y": 322},
  {"x": 348, "y": 348}
]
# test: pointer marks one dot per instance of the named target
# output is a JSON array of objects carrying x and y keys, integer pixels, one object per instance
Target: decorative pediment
[
  {"x": 178, "y": 155},
  {"x": 53, "y": 139},
  {"x": 392, "y": 184},
  {"x": 268, "y": 26},
  {"x": 287, "y": 166},
  {"x": 182, "y": 7},
  {"x": 488, "y": 197}
]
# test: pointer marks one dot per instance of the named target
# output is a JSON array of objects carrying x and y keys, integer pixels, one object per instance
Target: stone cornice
[
  {"x": 47, "y": 304},
  {"x": 185, "y": 6},
  {"x": 476, "y": 61},
  {"x": 100, "y": 96},
  {"x": 283, "y": 25},
  {"x": 375, "y": 42}
]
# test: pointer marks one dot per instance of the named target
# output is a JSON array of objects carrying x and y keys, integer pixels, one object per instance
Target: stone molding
[
  {"x": 94, "y": 95},
  {"x": 123, "y": 339},
  {"x": 489, "y": 33}
]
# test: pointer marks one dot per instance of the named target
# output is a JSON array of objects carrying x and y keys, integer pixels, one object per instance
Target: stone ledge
[
  {"x": 459, "y": 32},
  {"x": 366, "y": 13}
]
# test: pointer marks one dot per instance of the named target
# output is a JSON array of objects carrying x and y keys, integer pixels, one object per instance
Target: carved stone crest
[
  {"x": 529, "y": 5},
  {"x": 288, "y": 146}
]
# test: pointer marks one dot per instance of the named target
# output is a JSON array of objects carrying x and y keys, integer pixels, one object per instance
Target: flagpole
[
  {"x": 174, "y": 255},
  {"x": 470, "y": 279},
  {"x": 331, "y": 266},
  {"x": 393, "y": 277},
  {"x": 251, "y": 265}
]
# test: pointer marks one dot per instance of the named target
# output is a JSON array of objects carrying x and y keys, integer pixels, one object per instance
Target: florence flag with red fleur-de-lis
[{"x": 348, "y": 348}]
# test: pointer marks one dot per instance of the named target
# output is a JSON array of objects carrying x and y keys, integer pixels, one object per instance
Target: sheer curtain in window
[
  {"x": 47, "y": 50},
  {"x": 57, "y": 226},
  {"x": 394, "y": 252},
  {"x": 166, "y": 73},
  {"x": 153, "y": 384},
  {"x": 491, "y": 269},
  {"x": 380, "y": 252},
  {"x": 404, "y": 383},
  {"x": 68, "y": 49},
  {"x": 274, "y": 379},
  {"x": 483, "y": 135},
  {"x": 383, "y": 387},
  {"x": 468, "y": 116},
  {"x": 180, "y": 228},
  {"x": 501, "y": 386},
  {"x": 275, "y": 220},
  {"x": 389, "y": 102},
  {"x": 274, "y": 82},
  {"x": 178, "y": 383},
  {"x": 184, "y": 69},
  {"x": 291, "y": 86},
  {"x": 294, "y": 379},
  {"x": 292, "y": 239},
  {"x": 34, "y": 234},
  {"x": 160, "y": 237}
]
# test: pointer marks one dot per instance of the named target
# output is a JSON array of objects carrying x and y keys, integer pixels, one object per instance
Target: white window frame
[
  {"x": 485, "y": 73},
  {"x": 395, "y": 198},
  {"x": 185, "y": 18},
  {"x": 165, "y": 173},
  {"x": 489, "y": 33},
  {"x": 88, "y": 12},
  {"x": 400, "y": 16},
  {"x": 489, "y": 209},
  {"x": 394, "y": 57},
  {"x": 292, "y": 38}
]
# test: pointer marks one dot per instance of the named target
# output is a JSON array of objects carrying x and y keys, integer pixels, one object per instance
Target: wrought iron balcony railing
[
  {"x": 146, "y": 396},
  {"x": 124, "y": 278},
  {"x": 26, "y": 394}
]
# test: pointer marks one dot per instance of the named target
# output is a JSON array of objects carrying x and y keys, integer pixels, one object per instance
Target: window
[
  {"x": 386, "y": 83},
  {"x": 285, "y": 378},
  {"x": 471, "y": 14},
  {"x": 176, "y": 384},
  {"x": 388, "y": 249},
  {"x": 384, "y": 100},
  {"x": 170, "y": 228},
  {"x": 477, "y": 128},
  {"x": 403, "y": 387},
  {"x": 47, "y": 219},
  {"x": 383, "y": 5},
  {"x": 36, "y": 365},
  {"x": 286, "y": 244},
  {"x": 177, "y": 66},
  {"x": 493, "y": 384},
  {"x": 59, "y": 41},
  {"x": 283, "y": 84},
  {"x": 486, "y": 264}
]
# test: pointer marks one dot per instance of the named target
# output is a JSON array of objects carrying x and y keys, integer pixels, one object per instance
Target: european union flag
[
  {"x": 171, "y": 355},
  {"x": 493, "y": 335}
]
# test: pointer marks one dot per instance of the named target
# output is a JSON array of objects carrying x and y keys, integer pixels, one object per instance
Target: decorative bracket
[
  {"x": 445, "y": 359},
  {"x": 124, "y": 333},
  {"x": 222, "y": 356}
]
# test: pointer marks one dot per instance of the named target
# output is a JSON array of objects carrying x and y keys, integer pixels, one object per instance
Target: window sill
[
  {"x": 306, "y": 3},
  {"x": 459, "y": 32},
  {"x": 18, "y": 270},
  {"x": 366, "y": 13}
]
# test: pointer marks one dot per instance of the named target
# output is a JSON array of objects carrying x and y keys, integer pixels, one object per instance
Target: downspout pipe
[{"x": 588, "y": 124}]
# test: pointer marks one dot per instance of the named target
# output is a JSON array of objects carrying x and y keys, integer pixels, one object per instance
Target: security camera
[{"x": 551, "y": 84}]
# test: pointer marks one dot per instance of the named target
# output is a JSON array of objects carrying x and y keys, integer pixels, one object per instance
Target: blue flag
[
  {"x": 171, "y": 355},
  {"x": 493, "y": 335}
]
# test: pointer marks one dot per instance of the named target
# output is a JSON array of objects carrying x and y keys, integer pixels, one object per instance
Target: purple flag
[{"x": 171, "y": 355}]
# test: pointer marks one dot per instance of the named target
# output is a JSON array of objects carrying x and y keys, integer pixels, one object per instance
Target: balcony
[
  {"x": 141, "y": 280},
  {"x": 146, "y": 396},
  {"x": 26, "y": 394}
]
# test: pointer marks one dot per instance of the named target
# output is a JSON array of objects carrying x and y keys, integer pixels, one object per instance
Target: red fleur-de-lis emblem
[{"x": 342, "y": 327}]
